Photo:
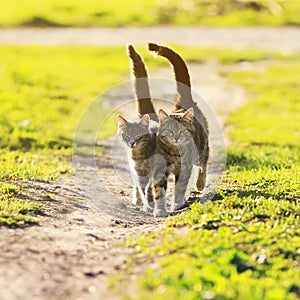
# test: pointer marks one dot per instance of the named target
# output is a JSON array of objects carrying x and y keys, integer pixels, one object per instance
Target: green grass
[
  {"x": 15, "y": 212},
  {"x": 275, "y": 107},
  {"x": 125, "y": 12},
  {"x": 246, "y": 245},
  {"x": 43, "y": 92}
]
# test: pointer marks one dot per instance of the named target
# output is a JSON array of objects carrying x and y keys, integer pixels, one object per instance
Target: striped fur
[
  {"x": 139, "y": 137},
  {"x": 141, "y": 85},
  {"x": 182, "y": 138}
]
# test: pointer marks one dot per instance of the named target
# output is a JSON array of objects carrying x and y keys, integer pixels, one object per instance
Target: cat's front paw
[
  {"x": 159, "y": 212},
  {"x": 146, "y": 208},
  {"x": 177, "y": 204}
]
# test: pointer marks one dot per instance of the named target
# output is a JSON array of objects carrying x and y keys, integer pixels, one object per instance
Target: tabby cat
[
  {"x": 182, "y": 139},
  {"x": 139, "y": 137},
  {"x": 180, "y": 142}
]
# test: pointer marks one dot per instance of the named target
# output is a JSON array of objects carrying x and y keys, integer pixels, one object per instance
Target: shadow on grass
[
  {"x": 38, "y": 21},
  {"x": 29, "y": 143}
]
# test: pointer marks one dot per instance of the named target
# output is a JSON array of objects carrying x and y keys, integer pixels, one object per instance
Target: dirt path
[
  {"x": 73, "y": 252},
  {"x": 279, "y": 39}
]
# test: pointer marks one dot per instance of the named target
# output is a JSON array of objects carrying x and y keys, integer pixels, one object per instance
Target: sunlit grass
[
  {"x": 43, "y": 92},
  {"x": 276, "y": 108},
  {"x": 125, "y": 12},
  {"x": 15, "y": 212},
  {"x": 246, "y": 244},
  {"x": 34, "y": 165}
]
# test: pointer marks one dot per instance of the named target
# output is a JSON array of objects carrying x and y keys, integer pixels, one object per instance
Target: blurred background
[
  {"x": 56, "y": 56},
  {"x": 78, "y": 13}
]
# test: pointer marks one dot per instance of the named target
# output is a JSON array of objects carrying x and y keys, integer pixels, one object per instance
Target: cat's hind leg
[
  {"x": 149, "y": 193},
  {"x": 181, "y": 183}
]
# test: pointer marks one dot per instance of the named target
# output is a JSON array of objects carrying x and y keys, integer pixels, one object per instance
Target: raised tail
[
  {"x": 184, "y": 96},
  {"x": 141, "y": 85}
]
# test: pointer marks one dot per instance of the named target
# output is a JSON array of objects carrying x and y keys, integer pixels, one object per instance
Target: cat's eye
[{"x": 138, "y": 139}]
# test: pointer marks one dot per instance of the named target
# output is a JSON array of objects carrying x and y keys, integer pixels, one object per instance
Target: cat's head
[
  {"x": 176, "y": 128},
  {"x": 134, "y": 133}
]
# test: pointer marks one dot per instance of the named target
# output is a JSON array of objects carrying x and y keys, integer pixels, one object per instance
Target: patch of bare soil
[
  {"x": 71, "y": 253},
  {"x": 76, "y": 247}
]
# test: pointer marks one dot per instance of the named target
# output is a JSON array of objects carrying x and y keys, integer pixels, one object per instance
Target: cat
[
  {"x": 181, "y": 140},
  {"x": 139, "y": 137}
]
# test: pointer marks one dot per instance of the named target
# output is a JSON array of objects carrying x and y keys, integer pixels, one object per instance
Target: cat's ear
[
  {"x": 163, "y": 116},
  {"x": 121, "y": 121},
  {"x": 189, "y": 114},
  {"x": 145, "y": 120}
]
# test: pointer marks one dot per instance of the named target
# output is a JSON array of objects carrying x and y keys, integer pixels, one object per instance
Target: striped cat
[
  {"x": 182, "y": 139},
  {"x": 139, "y": 137}
]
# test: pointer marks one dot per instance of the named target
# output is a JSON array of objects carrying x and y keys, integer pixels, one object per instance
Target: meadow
[
  {"x": 243, "y": 245},
  {"x": 43, "y": 93},
  {"x": 41, "y": 104},
  {"x": 80, "y": 13},
  {"x": 246, "y": 243}
]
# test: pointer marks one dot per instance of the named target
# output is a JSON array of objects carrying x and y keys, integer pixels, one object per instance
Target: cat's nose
[{"x": 133, "y": 144}]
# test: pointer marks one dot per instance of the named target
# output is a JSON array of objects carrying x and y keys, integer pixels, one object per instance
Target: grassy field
[
  {"x": 251, "y": 234},
  {"x": 246, "y": 244},
  {"x": 41, "y": 102},
  {"x": 43, "y": 92},
  {"x": 129, "y": 13}
]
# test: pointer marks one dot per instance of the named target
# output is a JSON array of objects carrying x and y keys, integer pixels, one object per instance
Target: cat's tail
[
  {"x": 141, "y": 84},
  {"x": 184, "y": 96}
]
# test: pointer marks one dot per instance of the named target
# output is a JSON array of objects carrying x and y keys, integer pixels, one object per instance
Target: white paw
[{"x": 134, "y": 199}]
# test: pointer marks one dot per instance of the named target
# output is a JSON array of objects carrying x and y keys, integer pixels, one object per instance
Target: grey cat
[{"x": 139, "y": 137}]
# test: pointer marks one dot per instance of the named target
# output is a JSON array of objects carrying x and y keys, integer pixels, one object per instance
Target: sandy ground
[
  {"x": 279, "y": 39},
  {"x": 76, "y": 248}
]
